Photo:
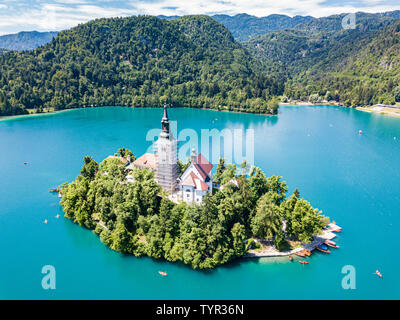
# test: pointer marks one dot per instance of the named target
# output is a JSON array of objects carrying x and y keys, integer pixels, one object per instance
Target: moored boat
[
  {"x": 300, "y": 254},
  {"x": 307, "y": 252},
  {"x": 331, "y": 244},
  {"x": 323, "y": 248},
  {"x": 53, "y": 190}
]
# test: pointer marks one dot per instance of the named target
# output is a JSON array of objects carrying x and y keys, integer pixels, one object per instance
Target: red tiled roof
[
  {"x": 200, "y": 185},
  {"x": 193, "y": 181},
  {"x": 189, "y": 181},
  {"x": 201, "y": 171},
  {"x": 148, "y": 160},
  {"x": 205, "y": 165}
]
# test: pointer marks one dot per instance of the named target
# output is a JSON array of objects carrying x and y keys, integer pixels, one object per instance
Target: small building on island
[{"x": 195, "y": 182}]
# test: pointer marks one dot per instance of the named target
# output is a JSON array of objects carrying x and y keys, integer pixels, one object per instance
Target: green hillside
[
  {"x": 138, "y": 61},
  {"x": 325, "y": 62}
]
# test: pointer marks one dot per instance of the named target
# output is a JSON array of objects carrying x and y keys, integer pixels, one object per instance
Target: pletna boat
[
  {"x": 300, "y": 254},
  {"x": 323, "y": 248},
  {"x": 307, "y": 252},
  {"x": 331, "y": 244}
]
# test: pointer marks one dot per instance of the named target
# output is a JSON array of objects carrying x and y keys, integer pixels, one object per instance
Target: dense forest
[
  {"x": 137, "y": 218},
  {"x": 324, "y": 62},
  {"x": 143, "y": 61},
  {"x": 245, "y": 27},
  {"x": 194, "y": 61}
]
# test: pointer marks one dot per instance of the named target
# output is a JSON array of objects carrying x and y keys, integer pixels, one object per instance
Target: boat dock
[{"x": 327, "y": 234}]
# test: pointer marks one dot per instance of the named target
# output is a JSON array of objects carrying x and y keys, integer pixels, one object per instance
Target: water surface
[{"x": 355, "y": 179}]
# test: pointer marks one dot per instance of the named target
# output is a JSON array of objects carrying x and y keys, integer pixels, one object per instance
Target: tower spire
[
  {"x": 165, "y": 117},
  {"x": 165, "y": 123}
]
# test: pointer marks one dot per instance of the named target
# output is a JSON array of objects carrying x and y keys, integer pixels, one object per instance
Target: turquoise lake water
[{"x": 354, "y": 179}]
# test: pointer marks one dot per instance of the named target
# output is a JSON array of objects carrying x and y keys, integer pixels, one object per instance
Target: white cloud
[
  {"x": 62, "y": 14},
  {"x": 316, "y": 8}
]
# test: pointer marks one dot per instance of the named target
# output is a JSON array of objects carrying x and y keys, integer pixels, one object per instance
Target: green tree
[
  {"x": 396, "y": 94},
  {"x": 90, "y": 167},
  {"x": 220, "y": 170},
  {"x": 267, "y": 222}
]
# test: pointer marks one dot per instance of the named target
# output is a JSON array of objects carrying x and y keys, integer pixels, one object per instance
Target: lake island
[{"x": 158, "y": 206}]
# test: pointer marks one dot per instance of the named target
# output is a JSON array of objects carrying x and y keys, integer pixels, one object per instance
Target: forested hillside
[
  {"x": 326, "y": 62},
  {"x": 138, "y": 61},
  {"x": 245, "y": 27}
]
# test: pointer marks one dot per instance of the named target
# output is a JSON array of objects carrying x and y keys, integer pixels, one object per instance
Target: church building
[{"x": 193, "y": 184}]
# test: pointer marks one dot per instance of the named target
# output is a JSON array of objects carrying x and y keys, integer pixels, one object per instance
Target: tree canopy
[
  {"x": 137, "y": 218},
  {"x": 140, "y": 61}
]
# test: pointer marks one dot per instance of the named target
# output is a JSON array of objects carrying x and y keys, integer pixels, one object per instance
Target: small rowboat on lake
[
  {"x": 323, "y": 248},
  {"x": 301, "y": 254},
  {"x": 164, "y": 274},
  {"x": 378, "y": 273},
  {"x": 53, "y": 190},
  {"x": 303, "y": 262},
  {"x": 331, "y": 244}
]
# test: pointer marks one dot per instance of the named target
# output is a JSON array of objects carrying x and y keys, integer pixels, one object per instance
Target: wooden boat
[
  {"x": 290, "y": 258},
  {"x": 303, "y": 262},
  {"x": 307, "y": 252},
  {"x": 322, "y": 248},
  {"x": 53, "y": 190},
  {"x": 300, "y": 254},
  {"x": 164, "y": 274},
  {"x": 331, "y": 244},
  {"x": 25, "y": 163},
  {"x": 378, "y": 273}
]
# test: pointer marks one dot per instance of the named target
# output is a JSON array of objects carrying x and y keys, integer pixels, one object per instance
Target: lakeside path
[{"x": 271, "y": 251}]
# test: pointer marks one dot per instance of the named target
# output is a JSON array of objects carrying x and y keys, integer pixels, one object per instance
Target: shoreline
[
  {"x": 379, "y": 110},
  {"x": 376, "y": 109},
  {"x": 271, "y": 251},
  {"x": 370, "y": 109},
  {"x": 29, "y": 115}
]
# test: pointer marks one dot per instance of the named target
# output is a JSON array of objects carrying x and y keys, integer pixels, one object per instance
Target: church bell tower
[{"x": 166, "y": 159}]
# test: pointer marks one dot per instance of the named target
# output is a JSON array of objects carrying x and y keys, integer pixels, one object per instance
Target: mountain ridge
[{"x": 137, "y": 61}]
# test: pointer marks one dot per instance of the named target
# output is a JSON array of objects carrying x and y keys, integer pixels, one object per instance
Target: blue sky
[{"x": 45, "y": 15}]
